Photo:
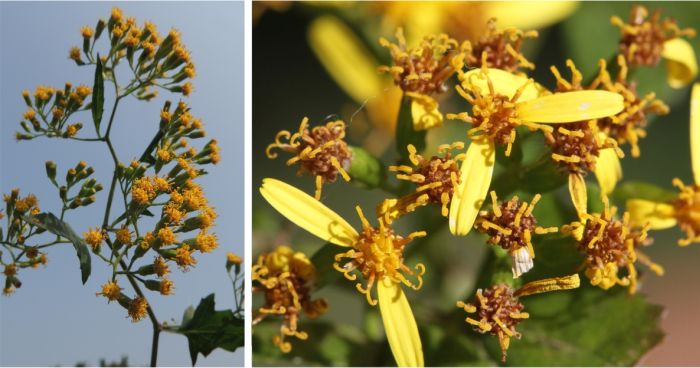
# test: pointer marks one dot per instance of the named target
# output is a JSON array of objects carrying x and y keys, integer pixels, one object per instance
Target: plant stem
[{"x": 105, "y": 223}]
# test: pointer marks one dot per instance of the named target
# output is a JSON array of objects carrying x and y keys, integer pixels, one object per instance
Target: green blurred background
[{"x": 289, "y": 83}]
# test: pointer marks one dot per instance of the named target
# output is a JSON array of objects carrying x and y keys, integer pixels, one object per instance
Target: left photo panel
[{"x": 122, "y": 174}]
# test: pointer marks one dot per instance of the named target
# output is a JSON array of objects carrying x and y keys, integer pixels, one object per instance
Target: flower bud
[
  {"x": 99, "y": 28},
  {"x": 51, "y": 170}
]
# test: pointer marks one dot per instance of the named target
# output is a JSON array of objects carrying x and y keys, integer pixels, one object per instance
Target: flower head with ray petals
[{"x": 378, "y": 254}]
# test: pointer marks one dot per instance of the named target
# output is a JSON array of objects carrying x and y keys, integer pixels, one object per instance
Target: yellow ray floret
[{"x": 308, "y": 213}]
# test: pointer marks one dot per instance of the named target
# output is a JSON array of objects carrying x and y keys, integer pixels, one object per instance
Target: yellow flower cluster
[
  {"x": 50, "y": 110},
  {"x": 581, "y": 126}
]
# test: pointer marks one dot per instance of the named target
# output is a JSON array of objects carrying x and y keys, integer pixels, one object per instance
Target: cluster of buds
[
  {"x": 286, "y": 280},
  {"x": 50, "y": 110},
  {"x": 176, "y": 127},
  {"x": 78, "y": 176}
]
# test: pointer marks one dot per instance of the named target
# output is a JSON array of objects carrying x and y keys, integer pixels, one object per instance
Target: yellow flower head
[
  {"x": 233, "y": 258},
  {"x": 143, "y": 190},
  {"x": 379, "y": 246},
  {"x": 183, "y": 257},
  {"x": 193, "y": 197},
  {"x": 164, "y": 155},
  {"x": 628, "y": 126},
  {"x": 86, "y": 31},
  {"x": 27, "y": 204},
  {"x": 117, "y": 15},
  {"x": 498, "y": 309},
  {"x": 436, "y": 179},
  {"x": 166, "y": 287},
  {"x": 510, "y": 226},
  {"x": 166, "y": 236},
  {"x": 172, "y": 212},
  {"x": 321, "y": 151},
  {"x": 423, "y": 69},
  {"x": 206, "y": 243},
  {"x": 160, "y": 266},
  {"x": 124, "y": 235},
  {"x": 10, "y": 270},
  {"x": 500, "y": 49},
  {"x": 137, "y": 309},
  {"x": 286, "y": 279},
  {"x": 609, "y": 245},
  {"x": 111, "y": 291},
  {"x": 44, "y": 93},
  {"x": 501, "y": 102},
  {"x": 376, "y": 253},
  {"x": 187, "y": 89},
  {"x": 74, "y": 53},
  {"x": 94, "y": 237}
]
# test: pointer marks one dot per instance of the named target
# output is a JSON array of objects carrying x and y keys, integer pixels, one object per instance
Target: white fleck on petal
[{"x": 522, "y": 262}]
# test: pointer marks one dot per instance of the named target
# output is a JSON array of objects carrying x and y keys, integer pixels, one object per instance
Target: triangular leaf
[{"x": 209, "y": 329}]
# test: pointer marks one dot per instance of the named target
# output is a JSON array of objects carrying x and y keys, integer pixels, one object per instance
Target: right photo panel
[{"x": 475, "y": 183}]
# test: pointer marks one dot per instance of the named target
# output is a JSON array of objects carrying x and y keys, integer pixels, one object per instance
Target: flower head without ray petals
[
  {"x": 499, "y": 309},
  {"x": 511, "y": 225},
  {"x": 286, "y": 279},
  {"x": 321, "y": 151}
]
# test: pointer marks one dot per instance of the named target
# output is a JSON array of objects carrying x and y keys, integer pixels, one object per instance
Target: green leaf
[
  {"x": 209, "y": 329},
  {"x": 405, "y": 134},
  {"x": 639, "y": 190},
  {"x": 98, "y": 95},
  {"x": 51, "y": 223},
  {"x": 585, "y": 327}
]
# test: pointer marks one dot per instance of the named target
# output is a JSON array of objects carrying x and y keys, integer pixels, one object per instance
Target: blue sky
[{"x": 54, "y": 319}]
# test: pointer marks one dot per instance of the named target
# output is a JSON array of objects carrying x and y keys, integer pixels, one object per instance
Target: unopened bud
[{"x": 51, "y": 170}]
